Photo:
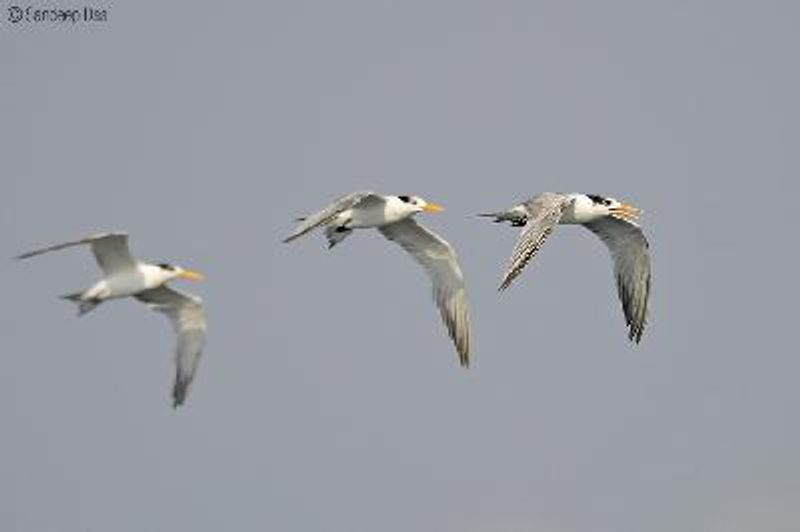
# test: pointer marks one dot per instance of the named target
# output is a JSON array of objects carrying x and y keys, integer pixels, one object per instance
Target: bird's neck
[
  {"x": 396, "y": 210},
  {"x": 153, "y": 275},
  {"x": 582, "y": 210}
]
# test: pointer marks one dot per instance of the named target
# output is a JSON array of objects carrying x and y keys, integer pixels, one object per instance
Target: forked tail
[
  {"x": 84, "y": 305},
  {"x": 515, "y": 218}
]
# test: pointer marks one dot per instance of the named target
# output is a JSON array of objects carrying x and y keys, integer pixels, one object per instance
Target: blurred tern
[
  {"x": 616, "y": 225},
  {"x": 125, "y": 276},
  {"x": 393, "y": 217}
]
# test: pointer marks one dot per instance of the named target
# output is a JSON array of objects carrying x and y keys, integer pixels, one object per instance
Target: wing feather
[
  {"x": 439, "y": 259},
  {"x": 324, "y": 216},
  {"x": 185, "y": 312},
  {"x": 630, "y": 252},
  {"x": 110, "y": 250},
  {"x": 544, "y": 213}
]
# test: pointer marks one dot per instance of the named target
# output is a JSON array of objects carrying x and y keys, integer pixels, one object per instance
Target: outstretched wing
[
  {"x": 328, "y": 213},
  {"x": 185, "y": 311},
  {"x": 629, "y": 251},
  {"x": 440, "y": 261},
  {"x": 544, "y": 212},
  {"x": 110, "y": 250}
]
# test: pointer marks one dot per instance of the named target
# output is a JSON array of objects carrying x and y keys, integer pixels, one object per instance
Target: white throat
[
  {"x": 397, "y": 209},
  {"x": 154, "y": 276},
  {"x": 583, "y": 210}
]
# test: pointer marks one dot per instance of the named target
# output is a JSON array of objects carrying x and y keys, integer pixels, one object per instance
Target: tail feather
[
  {"x": 336, "y": 234},
  {"x": 74, "y": 297},
  {"x": 84, "y": 305},
  {"x": 516, "y": 219},
  {"x": 498, "y": 216}
]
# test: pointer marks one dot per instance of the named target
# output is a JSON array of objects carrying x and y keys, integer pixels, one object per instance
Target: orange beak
[
  {"x": 432, "y": 207},
  {"x": 626, "y": 212}
]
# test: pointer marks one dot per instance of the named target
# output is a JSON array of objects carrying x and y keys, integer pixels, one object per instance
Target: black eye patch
[
  {"x": 165, "y": 266},
  {"x": 406, "y": 199},
  {"x": 598, "y": 200}
]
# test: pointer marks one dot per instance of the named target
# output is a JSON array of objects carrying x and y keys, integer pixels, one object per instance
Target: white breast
[{"x": 127, "y": 282}]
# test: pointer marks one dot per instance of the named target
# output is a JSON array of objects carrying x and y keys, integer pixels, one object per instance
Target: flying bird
[
  {"x": 393, "y": 216},
  {"x": 614, "y": 222},
  {"x": 125, "y": 276}
]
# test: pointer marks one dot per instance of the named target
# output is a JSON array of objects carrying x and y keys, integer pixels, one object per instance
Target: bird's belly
[
  {"x": 369, "y": 217},
  {"x": 126, "y": 284}
]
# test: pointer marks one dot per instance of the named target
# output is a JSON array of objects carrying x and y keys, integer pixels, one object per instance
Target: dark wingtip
[
  {"x": 176, "y": 402},
  {"x": 635, "y": 334},
  {"x": 179, "y": 392},
  {"x": 463, "y": 355}
]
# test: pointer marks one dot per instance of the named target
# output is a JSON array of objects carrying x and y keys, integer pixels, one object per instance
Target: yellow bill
[
  {"x": 432, "y": 207},
  {"x": 191, "y": 275},
  {"x": 626, "y": 212}
]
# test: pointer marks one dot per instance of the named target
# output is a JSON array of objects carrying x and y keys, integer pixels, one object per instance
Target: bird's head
[
  {"x": 415, "y": 204},
  {"x": 603, "y": 206},
  {"x": 170, "y": 272}
]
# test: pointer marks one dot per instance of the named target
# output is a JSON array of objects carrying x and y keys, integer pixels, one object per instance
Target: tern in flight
[
  {"x": 616, "y": 225},
  {"x": 125, "y": 276},
  {"x": 393, "y": 216}
]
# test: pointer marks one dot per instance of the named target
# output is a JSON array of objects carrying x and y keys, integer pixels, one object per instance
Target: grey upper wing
[
  {"x": 544, "y": 213},
  {"x": 328, "y": 213},
  {"x": 630, "y": 252},
  {"x": 110, "y": 250},
  {"x": 185, "y": 312},
  {"x": 440, "y": 261}
]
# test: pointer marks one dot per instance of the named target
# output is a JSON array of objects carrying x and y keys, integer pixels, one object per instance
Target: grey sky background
[{"x": 330, "y": 398}]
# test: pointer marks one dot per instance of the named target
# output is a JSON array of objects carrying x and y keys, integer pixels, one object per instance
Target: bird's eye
[
  {"x": 406, "y": 199},
  {"x": 165, "y": 266}
]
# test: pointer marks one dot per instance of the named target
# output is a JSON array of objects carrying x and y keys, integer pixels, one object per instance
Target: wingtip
[
  {"x": 635, "y": 334},
  {"x": 177, "y": 402},
  {"x": 179, "y": 391}
]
